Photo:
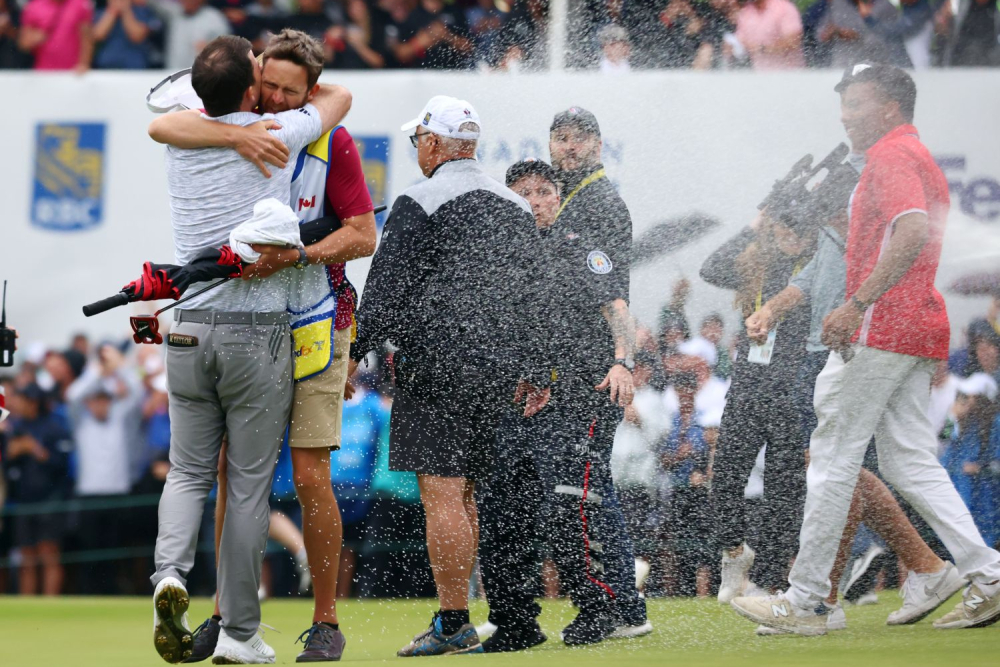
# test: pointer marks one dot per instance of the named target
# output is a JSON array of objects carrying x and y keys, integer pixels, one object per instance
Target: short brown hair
[
  {"x": 297, "y": 47},
  {"x": 221, "y": 74}
]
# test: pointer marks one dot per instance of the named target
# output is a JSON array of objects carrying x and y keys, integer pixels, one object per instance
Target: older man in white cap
[{"x": 446, "y": 287}]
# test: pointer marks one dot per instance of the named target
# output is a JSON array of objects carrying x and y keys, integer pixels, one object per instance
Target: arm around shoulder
[{"x": 332, "y": 103}]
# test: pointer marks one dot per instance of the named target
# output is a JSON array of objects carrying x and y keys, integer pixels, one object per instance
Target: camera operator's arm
[
  {"x": 720, "y": 267},
  {"x": 761, "y": 322},
  {"x": 910, "y": 233}
]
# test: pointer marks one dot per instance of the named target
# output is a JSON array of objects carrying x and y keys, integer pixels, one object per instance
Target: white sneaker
[
  {"x": 735, "y": 574},
  {"x": 485, "y": 630},
  {"x": 835, "y": 620},
  {"x": 171, "y": 633},
  {"x": 923, "y": 593},
  {"x": 642, "y": 569},
  {"x": 869, "y": 598},
  {"x": 777, "y": 611},
  {"x": 254, "y": 651},
  {"x": 631, "y": 631},
  {"x": 977, "y": 609}
]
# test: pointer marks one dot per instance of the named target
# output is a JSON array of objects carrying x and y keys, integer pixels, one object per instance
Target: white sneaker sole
[
  {"x": 632, "y": 631},
  {"x": 764, "y": 631},
  {"x": 802, "y": 630},
  {"x": 171, "y": 636},
  {"x": 918, "y": 614}
]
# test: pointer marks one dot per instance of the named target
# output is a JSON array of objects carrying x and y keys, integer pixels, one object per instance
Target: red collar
[{"x": 893, "y": 135}]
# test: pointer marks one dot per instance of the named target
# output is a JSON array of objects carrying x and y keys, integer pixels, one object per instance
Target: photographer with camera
[{"x": 761, "y": 408}]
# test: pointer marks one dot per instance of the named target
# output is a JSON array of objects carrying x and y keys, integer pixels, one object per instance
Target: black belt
[{"x": 219, "y": 317}]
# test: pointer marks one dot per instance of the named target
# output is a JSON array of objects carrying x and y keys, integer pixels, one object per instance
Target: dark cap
[
  {"x": 530, "y": 167},
  {"x": 981, "y": 329},
  {"x": 579, "y": 117},
  {"x": 32, "y": 392},
  {"x": 894, "y": 82}
]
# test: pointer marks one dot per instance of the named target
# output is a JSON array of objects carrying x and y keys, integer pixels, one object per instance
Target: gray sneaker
[
  {"x": 433, "y": 641},
  {"x": 322, "y": 644}
]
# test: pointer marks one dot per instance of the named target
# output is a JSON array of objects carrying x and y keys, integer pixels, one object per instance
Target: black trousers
[
  {"x": 756, "y": 416},
  {"x": 552, "y": 486}
]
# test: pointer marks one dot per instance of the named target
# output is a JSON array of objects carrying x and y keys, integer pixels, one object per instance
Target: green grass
[{"x": 113, "y": 632}]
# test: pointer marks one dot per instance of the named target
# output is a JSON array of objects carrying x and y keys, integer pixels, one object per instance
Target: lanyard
[{"x": 584, "y": 183}]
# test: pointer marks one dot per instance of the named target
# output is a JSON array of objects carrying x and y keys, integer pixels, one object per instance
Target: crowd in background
[
  {"x": 613, "y": 36},
  {"x": 85, "y": 455}
]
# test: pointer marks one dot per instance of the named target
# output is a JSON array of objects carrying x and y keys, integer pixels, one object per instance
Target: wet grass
[{"x": 115, "y": 632}]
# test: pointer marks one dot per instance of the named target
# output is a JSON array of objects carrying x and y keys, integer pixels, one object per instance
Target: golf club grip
[
  {"x": 379, "y": 209},
  {"x": 97, "y": 307}
]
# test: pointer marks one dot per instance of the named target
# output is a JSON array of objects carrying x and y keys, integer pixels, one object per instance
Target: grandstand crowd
[
  {"x": 85, "y": 456},
  {"x": 614, "y": 36}
]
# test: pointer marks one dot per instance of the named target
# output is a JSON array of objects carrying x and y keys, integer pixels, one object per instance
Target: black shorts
[
  {"x": 33, "y": 529},
  {"x": 447, "y": 427}
]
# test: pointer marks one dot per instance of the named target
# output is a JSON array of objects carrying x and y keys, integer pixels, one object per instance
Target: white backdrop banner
[{"x": 84, "y": 200}]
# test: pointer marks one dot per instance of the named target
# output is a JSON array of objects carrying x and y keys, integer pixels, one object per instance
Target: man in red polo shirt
[{"x": 886, "y": 341}]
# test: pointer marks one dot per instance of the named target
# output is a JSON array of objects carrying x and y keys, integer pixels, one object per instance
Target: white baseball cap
[{"x": 444, "y": 115}]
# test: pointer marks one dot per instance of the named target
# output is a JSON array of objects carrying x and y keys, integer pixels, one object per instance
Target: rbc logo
[{"x": 68, "y": 187}]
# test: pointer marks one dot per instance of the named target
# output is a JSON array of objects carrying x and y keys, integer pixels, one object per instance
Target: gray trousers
[{"x": 231, "y": 380}]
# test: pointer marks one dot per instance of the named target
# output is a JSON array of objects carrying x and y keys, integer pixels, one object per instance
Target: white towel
[{"x": 273, "y": 223}]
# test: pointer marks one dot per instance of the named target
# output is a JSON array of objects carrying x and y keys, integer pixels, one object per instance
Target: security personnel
[{"x": 556, "y": 461}]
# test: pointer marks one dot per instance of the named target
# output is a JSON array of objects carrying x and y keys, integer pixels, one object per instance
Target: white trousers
[{"x": 882, "y": 394}]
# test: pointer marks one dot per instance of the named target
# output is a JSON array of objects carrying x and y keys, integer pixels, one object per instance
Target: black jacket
[{"x": 446, "y": 284}]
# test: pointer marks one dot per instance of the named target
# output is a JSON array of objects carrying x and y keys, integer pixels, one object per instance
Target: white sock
[{"x": 302, "y": 559}]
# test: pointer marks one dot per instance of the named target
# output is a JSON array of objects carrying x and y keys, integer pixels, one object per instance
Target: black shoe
[
  {"x": 322, "y": 644},
  {"x": 510, "y": 638},
  {"x": 589, "y": 627},
  {"x": 206, "y": 636}
]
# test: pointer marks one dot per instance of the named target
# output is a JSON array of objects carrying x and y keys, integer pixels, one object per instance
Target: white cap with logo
[{"x": 445, "y": 116}]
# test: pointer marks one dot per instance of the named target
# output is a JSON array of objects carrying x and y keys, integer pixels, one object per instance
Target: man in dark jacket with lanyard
[
  {"x": 440, "y": 290},
  {"x": 569, "y": 435}
]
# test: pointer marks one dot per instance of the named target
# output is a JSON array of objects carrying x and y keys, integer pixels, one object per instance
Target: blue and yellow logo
[
  {"x": 69, "y": 176},
  {"x": 374, "y": 152}
]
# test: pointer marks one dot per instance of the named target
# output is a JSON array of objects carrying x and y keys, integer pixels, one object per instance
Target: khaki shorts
[{"x": 319, "y": 401}]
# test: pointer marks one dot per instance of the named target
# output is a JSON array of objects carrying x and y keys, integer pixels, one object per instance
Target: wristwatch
[
  {"x": 303, "y": 259},
  {"x": 627, "y": 363}
]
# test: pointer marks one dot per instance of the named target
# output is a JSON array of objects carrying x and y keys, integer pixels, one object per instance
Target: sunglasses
[{"x": 415, "y": 138}]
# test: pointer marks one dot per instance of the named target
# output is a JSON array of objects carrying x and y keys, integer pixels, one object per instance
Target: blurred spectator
[
  {"x": 816, "y": 52},
  {"x": 11, "y": 57},
  {"x": 771, "y": 33},
  {"x": 456, "y": 49},
  {"x": 352, "y": 468},
  {"x": 984, "y": 350},
  {"x": 420, "y": 37},
  {"x": 521, "y": 45},
  {"x": 122, "y": 33},
  {"x": 485, "y": 20},
  {"x": 684, "y": 456},
  {"x": 634, "y": 463},
  {"x": 710, "y": 346},
  {"x": 36, "y": 465},
  {"x": 975, "y": 35},
  {"x": 322, "y": 22},
  {"x": 913, "y": 25},
  {"x": 365, "y": 37},
  {"x": 615, "y": 50},
  {"x": 848, "y": 28},
  {"x": 264, "y": 18},
  {"x": 676, "y": 33},
  {"x": 970, "y": 459},
  {"x": 58, "y": 34},
  {"x": 105, "y": 407},
  {"x": 61, "y": 369},
  {"x": 191, "y": 24}
]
